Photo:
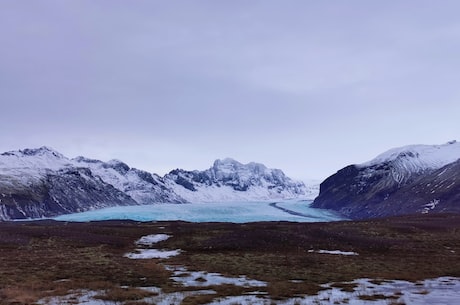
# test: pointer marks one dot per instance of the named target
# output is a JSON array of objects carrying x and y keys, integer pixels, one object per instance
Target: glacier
[{"x": 236, "y": 212}]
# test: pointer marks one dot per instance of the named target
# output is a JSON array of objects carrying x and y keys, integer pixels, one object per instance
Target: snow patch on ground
[
  {"x": 152, "y": 253},
  {"x": 430, "y": 206},
  {"x": 85, "y": 297},
  {"x": 149, "y": 241},
  {"x": 443, "y": 290},
  {"x": 335, "y": 252},
  {"x": 203, "y": 279}
]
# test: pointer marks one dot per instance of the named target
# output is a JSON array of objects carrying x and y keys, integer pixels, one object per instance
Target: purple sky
[{"x": 305, "y": 86}]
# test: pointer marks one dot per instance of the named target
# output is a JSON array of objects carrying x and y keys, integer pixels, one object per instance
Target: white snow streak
[
  {"x": 152, "y": 253},
  {"x": 148, "y": 241},
  {"x": 334, "y": 252},
  {"x": 430, "y": 206},
  {"x": 204, "y": 279}
]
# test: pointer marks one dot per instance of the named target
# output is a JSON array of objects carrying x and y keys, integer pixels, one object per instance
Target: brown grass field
[{"x": 45, "y": 258}]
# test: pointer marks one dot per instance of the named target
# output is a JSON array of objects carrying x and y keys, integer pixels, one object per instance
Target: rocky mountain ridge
[
  {"x": 405, "y": 180},
  {"x": 229, "y": 180},
  {"x": 43, "y": 183}
]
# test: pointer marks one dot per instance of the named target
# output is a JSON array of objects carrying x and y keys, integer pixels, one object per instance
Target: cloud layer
[{"x": 306, "y": 86}]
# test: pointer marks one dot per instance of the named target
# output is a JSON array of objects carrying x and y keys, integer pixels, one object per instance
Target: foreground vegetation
[{"x": 44, "y": 258}]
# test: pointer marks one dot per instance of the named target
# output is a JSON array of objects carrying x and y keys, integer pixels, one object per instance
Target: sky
[{"x": 305, "y": 86}]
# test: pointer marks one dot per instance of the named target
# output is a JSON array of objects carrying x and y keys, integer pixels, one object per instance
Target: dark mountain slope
[{"x": 405, "y": 180}]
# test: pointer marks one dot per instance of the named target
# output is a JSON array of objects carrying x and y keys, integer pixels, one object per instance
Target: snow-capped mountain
[
  {"x": 141, "y": 186},
  {"x": 42, "y": 183},
  {"x": 230, "y": 180},
  {"x": 415, "y": 159},
  {"x": 393, "y": 183}
]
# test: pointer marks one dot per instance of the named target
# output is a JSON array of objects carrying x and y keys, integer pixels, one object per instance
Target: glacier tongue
[{"x": 237, "y": 212}]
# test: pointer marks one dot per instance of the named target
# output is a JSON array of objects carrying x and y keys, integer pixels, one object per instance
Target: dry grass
[
  {"x": 44, "y": 258},
  {"x": 408, "y": 248},
  {"x": 347, "y": 287},
  {"x": 119, "y": 294},
  {"x": 18, "y": 295},
  {"x": 373, "y": 297},
  {"x": 198, "y": 299},
  {"x": 40, "y": 259}
]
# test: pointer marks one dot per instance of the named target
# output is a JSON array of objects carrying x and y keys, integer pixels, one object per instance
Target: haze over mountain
[
  {"x": 405, "y": 180},
  {"x": 42, "y": 182}
]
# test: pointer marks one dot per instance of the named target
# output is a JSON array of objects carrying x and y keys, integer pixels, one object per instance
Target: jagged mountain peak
[
  {"x": 142, "y": 186},
  {"x": 115, "y": 162},
  {"x": 229, "y": 165},
  {"x": 34, "y": 159},
  {"x": 225, "y": 161},
  {"x": 41, "y": 151},
  {"x": 230, "y": 180},
  {"x": 117, "y": 165},
  {"x": 82, "y": 159},
  {"x": 231, "y": 161}
]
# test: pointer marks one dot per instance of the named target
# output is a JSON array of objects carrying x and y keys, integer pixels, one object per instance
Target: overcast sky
[{"x": 304, "y": 86}]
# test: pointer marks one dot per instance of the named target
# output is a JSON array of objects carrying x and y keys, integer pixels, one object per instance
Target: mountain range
[
  {"x": 405, "y": 180},
  {"x": 42, "y": 182}
]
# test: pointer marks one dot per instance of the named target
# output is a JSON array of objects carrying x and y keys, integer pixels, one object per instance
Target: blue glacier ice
[{"x": 237, "y": 212}]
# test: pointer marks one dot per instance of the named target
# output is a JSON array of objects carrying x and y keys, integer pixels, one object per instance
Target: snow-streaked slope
[
  {"x": 34, "y": 159},
  {"x": 421, "y": 156},
  {"x": 42, "y": 182},
  {"x": 413, "y": 159},
  {"x": 143, "y": 187},
  {"x": 396, "y": 182},
  {"x": 230, "y": 180},
  {"x": 26, "y": 166}
]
